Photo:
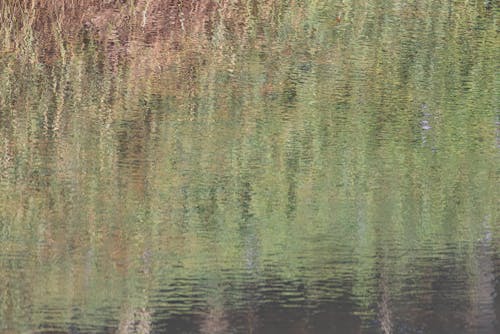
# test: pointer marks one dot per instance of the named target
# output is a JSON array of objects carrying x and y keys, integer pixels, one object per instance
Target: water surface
[{"x": 329, "y": 167}]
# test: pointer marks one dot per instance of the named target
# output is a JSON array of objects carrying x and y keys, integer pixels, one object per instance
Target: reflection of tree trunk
[
  {"x": 385, "y": 314},
  {"x": 214, "y": 321},
  {"x": 482, "y": 313},
  {"x": 252, "y": 320},
  {"x": 135, "y": 321}
]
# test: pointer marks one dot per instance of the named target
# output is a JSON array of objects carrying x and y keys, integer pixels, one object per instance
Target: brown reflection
[
  {"x": 385, "y": 313},
  {"x": 482, "y": 317},
  {"x": 59, "y": 26},
  {"x": 136, "y": 321},
  {"x": 214, "y": 321}
]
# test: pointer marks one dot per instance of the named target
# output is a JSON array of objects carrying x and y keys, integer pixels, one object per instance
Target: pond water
[{"x": 328, "y": 167}]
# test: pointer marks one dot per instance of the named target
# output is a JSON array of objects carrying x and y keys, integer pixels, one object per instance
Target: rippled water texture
[{"x": 249, "y": 167}]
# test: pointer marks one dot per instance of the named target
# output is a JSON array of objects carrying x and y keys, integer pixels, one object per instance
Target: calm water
[{"x": 330, "y": 167}]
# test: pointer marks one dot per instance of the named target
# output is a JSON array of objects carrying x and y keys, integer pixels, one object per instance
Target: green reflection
[{"x": 337, "y": 148}]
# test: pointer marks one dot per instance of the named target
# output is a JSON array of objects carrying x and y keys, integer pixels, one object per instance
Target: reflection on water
[{"x": 329, "y": 167}]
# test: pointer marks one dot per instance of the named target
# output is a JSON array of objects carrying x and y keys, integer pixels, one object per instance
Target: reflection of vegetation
[{"x": 139, "y": 163}]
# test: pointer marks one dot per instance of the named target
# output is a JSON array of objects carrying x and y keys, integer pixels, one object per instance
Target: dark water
[{"x": 329, "y": 167}]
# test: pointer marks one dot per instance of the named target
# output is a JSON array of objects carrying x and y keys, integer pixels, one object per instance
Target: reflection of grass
[
  {"x": 49, "y": 29},
  {"x": 46, "y": 27},
  {"x": 106, "y": 147}
]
